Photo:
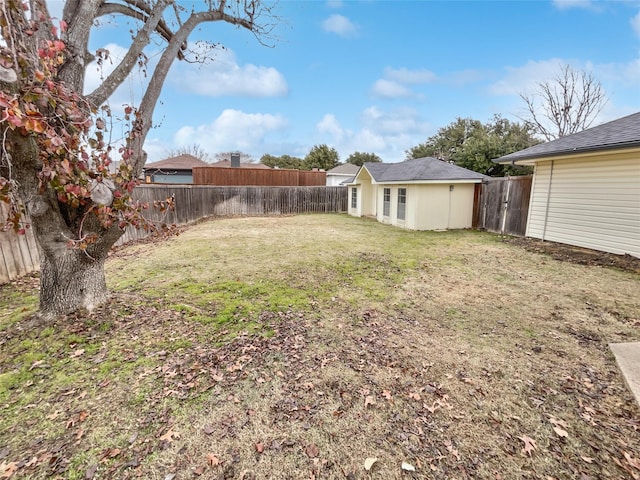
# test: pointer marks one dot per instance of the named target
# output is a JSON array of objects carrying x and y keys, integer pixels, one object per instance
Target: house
[
  {"x": 172, "y": 170},
  {"x": 586, "y": 187},
  {"x": 419, "y": 194},
  {"x": 337, "y": 175}
]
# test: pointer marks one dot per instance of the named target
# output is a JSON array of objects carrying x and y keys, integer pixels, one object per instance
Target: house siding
[{"x": 588, "y": 202}]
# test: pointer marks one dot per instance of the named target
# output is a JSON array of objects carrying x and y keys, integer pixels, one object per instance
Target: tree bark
[{"x": 74, "y": 244}]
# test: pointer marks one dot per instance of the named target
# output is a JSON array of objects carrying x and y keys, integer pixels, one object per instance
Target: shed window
[
  {"x": 354, "y": 197},
  {"x": 402, "y": 203},
  {"x": 386, "y": 204}
]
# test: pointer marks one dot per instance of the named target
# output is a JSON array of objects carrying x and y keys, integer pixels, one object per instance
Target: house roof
[
  {"x": 621, "y": 133},
  {"x": 181, "y": 162},
  {"x": 420, "y": 169},
  {"x": 227, "y": 164},
  {"x": 344, "y": 169}
]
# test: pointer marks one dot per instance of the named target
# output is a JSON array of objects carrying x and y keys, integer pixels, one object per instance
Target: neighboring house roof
[
  {"x": 621, "y": 133},
  {"x": 420, "y": 169},
  {"x": 181, "y": 162},
  {"x": 344, "y": 169},
  {"x": 227, "y": 164}
]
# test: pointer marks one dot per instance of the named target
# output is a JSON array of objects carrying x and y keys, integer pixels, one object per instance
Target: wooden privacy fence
[
  {"x": 19, "y": 254},
  {"x": 257, "y": 177},
  {"x": 503, "y": 205}
]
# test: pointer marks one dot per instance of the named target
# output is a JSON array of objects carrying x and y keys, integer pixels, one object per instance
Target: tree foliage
[
  {"x": 283, "y": 161},
  {"x": 56, "y": 150},
  {"x": 471, "y": 144},
  {"x": 321, "y": 157},
  {"x": 568, "y": 104},
  {"x": 360, "y": 158}
]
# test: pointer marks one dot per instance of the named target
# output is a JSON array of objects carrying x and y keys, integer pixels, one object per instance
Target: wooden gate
[{"x": 503, "y": 205}]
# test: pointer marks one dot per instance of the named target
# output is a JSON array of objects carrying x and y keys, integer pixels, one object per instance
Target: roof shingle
[
  {"x": 620, "y": 133},
  {"x": 417, "y": 169}
]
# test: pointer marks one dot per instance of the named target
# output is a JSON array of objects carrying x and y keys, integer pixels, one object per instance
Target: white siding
[
  {"x": 591, "y": 203},
  {"x": 431, "y": 206}
]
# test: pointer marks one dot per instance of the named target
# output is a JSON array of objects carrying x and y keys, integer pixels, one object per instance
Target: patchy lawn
[{"x": 324, "y": 346}]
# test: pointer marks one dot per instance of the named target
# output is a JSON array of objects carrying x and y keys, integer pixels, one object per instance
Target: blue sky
[{"x": 382, "y": 76}]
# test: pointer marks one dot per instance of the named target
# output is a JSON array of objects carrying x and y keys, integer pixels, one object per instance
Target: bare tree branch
[{"x": 568, "y": 104}]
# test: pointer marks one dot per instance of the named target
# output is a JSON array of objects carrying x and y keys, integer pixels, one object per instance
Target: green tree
[
  {"x": 322, "y": 157},
  {"x": 471, "y": 144},
  {"x": 283, "y": 161},
  {"x": 56, "y": 152},
  {"x": 360, "y": 158}
]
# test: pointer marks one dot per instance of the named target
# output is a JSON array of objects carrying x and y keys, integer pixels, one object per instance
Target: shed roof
[
  {"x": 344, "y": 169},
  {"x": 420, "y": 169},
  {"x": 181, "y": 162},
  {"x": 621, "y": 133}
]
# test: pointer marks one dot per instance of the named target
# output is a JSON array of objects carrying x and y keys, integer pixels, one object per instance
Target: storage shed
[
  {"x": 419, "y": 194},
  {"x": 586, "y": 187}
]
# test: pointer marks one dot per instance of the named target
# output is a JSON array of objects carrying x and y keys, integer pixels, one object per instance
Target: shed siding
[{"x": 592, "y": 203}]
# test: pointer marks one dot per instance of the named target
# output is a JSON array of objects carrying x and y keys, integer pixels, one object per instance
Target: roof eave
[{"x": 530, "y": 159}]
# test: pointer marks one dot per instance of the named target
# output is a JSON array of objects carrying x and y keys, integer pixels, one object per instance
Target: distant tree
[
  {"x": 283, "y": 161},
  {"x": 359, "y": 158},
  {"x": 194, "y": 150},
  {"x": 244, "y": 157},
  {"x": 471, "y": 144},
  {"x": 321, "y": 157},
  {"x": 568, "y": 104}
]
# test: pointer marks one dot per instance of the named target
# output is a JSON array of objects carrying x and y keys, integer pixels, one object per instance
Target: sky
[{"x": 379, "y": 76}]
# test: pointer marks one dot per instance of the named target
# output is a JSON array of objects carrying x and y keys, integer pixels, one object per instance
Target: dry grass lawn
[{"x": 325, "y": 347}]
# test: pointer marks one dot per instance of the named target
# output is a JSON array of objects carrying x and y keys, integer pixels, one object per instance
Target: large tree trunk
[
  {"x": 69, "y": 281},
  {"x": 71, "y": 278}
]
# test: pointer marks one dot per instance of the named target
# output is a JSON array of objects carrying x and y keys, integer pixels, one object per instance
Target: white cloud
[
  {"x": 340, "y": 25},
  {"x": 404, "y": 75},
  {"x": 232, "y": 130},
  {"x": 223, "y": 76},
  {"x": 405, "y": 120},
  {"x": 387, "y": 134},
  {"x": 335, "y": 3},
  {"x": 389, "y": 89},
  {"x": 330, "y": 125},
  {"x": 393, "y": 85},
  {"x": 566, "y": 4},
  {"x": 526, "y": 77},
  {"x": 635, "y": 24}
]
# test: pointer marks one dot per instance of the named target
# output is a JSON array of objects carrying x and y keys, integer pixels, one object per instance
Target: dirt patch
[{"x": 578, "y": 255}]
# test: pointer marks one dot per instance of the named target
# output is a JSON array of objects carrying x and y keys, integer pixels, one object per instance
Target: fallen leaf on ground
[
  {"x": 369, "y": 400},
  {"x": 529, "y": 444},
  {"x": 312, "y": 450},
  {"x": 208, "y": 429},
  {"x": 632, "y": 461},
  {"x": 169, "y": 436},
  {"x": 259, "y": 447},
  {"x": 561, "y": 433},
  {"x": 212, "y": 460},
  {"x": 368, "y": 463}
]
